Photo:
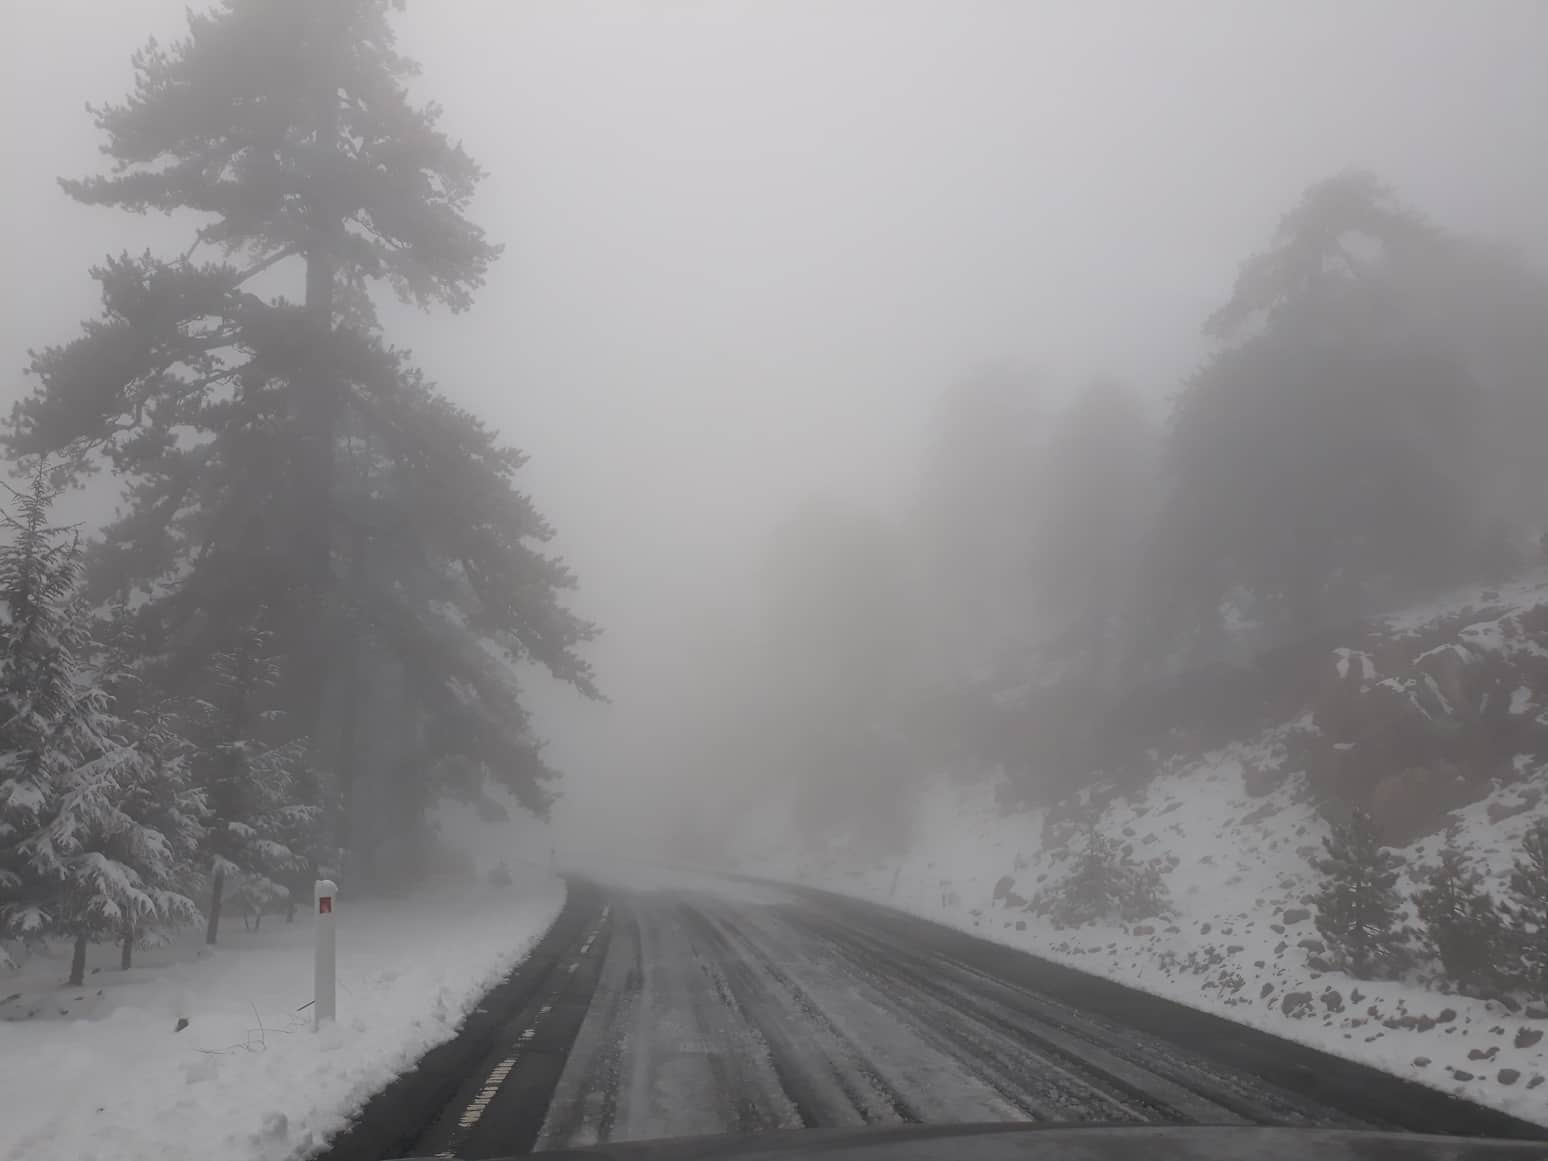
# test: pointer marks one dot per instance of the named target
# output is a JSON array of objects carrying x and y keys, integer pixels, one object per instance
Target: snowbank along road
[{"x": 701, "y": 1008}]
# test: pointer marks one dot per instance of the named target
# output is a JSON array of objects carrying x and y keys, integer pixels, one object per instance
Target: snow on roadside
[
  {"x": 99, "y": 1073},
  {"x": 1242, "y": 943}
]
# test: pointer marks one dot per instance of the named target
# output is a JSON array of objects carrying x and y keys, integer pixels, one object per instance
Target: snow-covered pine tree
[
  {"x": 1461, "y": 919},
  {"x": 164, "y": 795},
  {"x": 88, "y": 811},
  {"x": 1359, "y": 910},
  {"x": 47, "y": 720},
  {"x": 1528, "y": 910},
  {"x": 164, "y": 799}
]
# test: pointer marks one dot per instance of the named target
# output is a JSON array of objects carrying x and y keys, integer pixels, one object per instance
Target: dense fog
[{"x": 883, "y": 362}]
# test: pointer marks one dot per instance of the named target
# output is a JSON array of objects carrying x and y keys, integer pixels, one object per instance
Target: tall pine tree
[{"x": 280, "y": 459}]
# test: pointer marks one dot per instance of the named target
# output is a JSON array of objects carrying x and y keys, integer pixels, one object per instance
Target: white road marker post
[{"x": 324, "y": 980}]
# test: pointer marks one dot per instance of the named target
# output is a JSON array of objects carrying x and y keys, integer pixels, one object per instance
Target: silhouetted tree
[{"x": 1326, "y": 457}]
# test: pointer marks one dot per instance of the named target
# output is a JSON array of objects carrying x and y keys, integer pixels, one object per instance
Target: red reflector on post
[{"x": 325, "y": 905}]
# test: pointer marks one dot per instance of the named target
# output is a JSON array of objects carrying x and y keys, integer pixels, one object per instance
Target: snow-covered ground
[
  {"x": 103, "y": 1073},
  {"x": 1236, "y": 943}
]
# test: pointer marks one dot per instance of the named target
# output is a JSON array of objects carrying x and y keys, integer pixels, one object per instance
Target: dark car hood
[{"x": 1002, "y": 1142}]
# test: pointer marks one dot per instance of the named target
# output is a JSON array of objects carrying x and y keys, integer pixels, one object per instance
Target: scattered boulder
[
  {"x": 1483, "y": 1053},
  {"x": 1318, "y": 964},
  {"x": 1333, "y": 1000},
  {"x": 1421, "y": 1062},
  {"x": 1461, "y": 1074},
  {"x": 1296, "y": 1004},
  {"x": 1263, "y": 992},
  {"x": 1446, "y": 1016},
  {"x": 1535, "y": 1081},
  {"x": 1002, "y": 886},
  {"x": 1312, "y": 945},
  {"x": 1144, "y": 929},
  {"x": 1526, "y": 1037},
  {"x": 1293, "y": 915},
  {"x": 182, "y": 1022},
  {"x": 1508, "y": 1075},
  {"x": 1535, "y": 1012},
  {"x": 1205, "y": 928},
  {"x": 1259, "y": 780}
]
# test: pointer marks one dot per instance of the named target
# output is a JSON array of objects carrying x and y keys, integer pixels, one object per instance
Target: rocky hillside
[{"x": 1435, "y": 721}]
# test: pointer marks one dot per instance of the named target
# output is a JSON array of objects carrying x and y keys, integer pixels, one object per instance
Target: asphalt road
[{"x": 704, "y": 1007}]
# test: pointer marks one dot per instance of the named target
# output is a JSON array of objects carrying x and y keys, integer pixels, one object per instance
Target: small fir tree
[
  {"x": 1105, "y": 882},
  {"x": 1359, "y": 910},
  {"x": 1528, "y": 910},
  {"x": 1461, "y": 919}
]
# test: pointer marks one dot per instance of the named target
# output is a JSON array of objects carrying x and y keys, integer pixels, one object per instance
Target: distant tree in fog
[
  {"x": 840, "y": 657},
  {"x": 1097, "y": 507},
  {"x": 287, "y": 471},
  {"x": 1327, "y": 458},
  {"x": 975, "y": 517}
]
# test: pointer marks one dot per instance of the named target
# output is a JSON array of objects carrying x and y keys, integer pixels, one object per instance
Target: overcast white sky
[{"x": 750, "y": 239}]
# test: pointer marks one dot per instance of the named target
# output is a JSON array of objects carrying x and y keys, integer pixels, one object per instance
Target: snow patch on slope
[{"x": 1242, "y": 942}]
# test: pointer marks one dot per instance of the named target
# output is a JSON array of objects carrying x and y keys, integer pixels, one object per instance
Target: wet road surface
[
  {"x": 761, "y": 1010},
  {"x": 701, "y": 1006}
]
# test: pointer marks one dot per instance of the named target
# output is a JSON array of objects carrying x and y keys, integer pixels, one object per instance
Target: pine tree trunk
[
  {"x": 78, "y": 963},
  {"x": 350, "y": 694},
  {"x": 317, "y": 402},
  {"x": 217, "y": 893},
  {"x": 126, "y": 946}
]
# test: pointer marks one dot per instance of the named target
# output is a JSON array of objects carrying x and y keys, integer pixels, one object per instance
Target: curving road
[
  {"x": 762, "y": 1010},
  {"x": 708, "y": 1006}
]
